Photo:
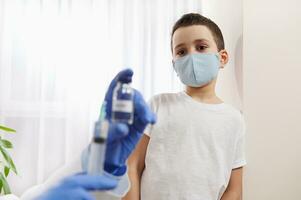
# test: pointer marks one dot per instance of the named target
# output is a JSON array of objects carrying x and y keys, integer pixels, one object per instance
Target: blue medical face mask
[{"x": 198, "y": 69}]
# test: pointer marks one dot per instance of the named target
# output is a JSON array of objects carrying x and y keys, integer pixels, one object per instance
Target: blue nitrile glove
[
  {"x": 120, "y": 146},
  {"x": 77, "y": 187}
]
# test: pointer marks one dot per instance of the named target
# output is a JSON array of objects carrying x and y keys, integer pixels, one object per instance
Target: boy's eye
[
  {"x": 201, "y": 47},
  {"x": 180, "y": 52}
]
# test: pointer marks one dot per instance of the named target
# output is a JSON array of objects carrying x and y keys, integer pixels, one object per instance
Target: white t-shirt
[{"x": 192, "y": 150}]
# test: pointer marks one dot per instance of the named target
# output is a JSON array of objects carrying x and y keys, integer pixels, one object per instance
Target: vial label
[{"x": 125, "y": 106}]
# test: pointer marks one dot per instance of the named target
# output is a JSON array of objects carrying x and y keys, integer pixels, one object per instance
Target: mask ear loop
[
  {"x": 174, "y": 68},
  {"x": 173, "y": 65},
  {"x": 219, "y": 57}
]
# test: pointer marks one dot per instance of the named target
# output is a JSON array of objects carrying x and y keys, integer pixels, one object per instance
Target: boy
[{"x": 196, "y": 149}]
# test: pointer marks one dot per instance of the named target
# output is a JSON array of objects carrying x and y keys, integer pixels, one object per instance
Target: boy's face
[{"x": 195, "y": 39}]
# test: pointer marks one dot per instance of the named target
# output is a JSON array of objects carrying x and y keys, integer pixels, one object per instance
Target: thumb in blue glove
[{"x": 77, "y": 187}]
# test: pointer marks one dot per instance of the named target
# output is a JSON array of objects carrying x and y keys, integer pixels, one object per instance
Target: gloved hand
[
  {"x": 119, "y": 146},
  {"x": 77, "y": 187}
]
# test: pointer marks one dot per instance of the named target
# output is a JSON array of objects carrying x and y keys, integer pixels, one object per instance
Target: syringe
[
  {"x": 98, "y": 144},
  {"x": 97, "y": 155}
]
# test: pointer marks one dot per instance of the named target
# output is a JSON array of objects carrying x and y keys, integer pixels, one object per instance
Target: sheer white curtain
[{"x": 56, "y": 60}]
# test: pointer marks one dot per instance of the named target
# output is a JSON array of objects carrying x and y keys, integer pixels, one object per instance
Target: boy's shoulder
[
  {"x": 164, "y": 97},
  {"x": 233, "y": 109},
  {"x": 168, "y": 98},
  {"x": 235, "y": 116}
]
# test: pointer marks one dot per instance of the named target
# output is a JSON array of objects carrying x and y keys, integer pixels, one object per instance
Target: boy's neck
[{"x": 204, "y": 94}]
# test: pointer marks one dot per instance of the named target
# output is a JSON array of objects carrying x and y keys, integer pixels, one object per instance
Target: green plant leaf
[
  {"x": 6, "y": 129},
  {"x": 1, "y": 186},
  {"x": 6, "y": 171},
  {"x": 8, "y": 159},
  {"x": 6, "y": 144},
  {"x": 5, "y": 185}
]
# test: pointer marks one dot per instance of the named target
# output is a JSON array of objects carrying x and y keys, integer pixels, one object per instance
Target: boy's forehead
[{"x": 189, "y": 34}]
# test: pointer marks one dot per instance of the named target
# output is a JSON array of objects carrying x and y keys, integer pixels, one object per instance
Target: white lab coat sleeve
[
  {"x": 67, "y": 170},
  {"x": 9, "y": 197}
]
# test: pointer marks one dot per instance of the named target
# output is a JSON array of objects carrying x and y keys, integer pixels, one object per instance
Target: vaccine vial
[{"x": 122, "y": 105}]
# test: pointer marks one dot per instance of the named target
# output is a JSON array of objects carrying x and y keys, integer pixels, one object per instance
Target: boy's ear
[{"x": 224, "y": 58}]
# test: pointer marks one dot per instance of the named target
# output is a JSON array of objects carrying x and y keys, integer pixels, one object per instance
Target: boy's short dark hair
[{"x": 197, "y": 19}]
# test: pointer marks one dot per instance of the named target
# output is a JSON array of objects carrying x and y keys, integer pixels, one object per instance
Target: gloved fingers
[
  {"x": 62, "y": 192},
  {"x": 82, "y": 194},
  {"x": 140, "y": 123},
  {"x": 143, "y": 114},
  {"x": 125, "y": 76},
  {"x": 90, "y": 182},
  {"x": 143, "y": 110},
  {"x": 131, "y": 141},
  {"x": 117, "y": 131}
]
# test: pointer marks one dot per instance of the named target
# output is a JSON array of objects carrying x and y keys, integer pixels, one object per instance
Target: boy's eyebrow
[
  {"x": 181, "y": 44},
  {"x": 201, "y": 40},
  {"x": 195, "y": 41}
]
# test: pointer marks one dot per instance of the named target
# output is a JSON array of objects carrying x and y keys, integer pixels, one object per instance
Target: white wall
[
  {"x": 228, "y": 16},
  {"x": 272, "y": 99}
]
